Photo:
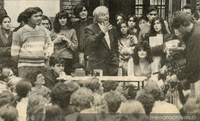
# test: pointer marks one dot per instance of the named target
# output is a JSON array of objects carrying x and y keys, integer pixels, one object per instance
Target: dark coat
[
  {"x": 50, "y": 78},
  {"x": 100, "y": 55},
  {"x": 192, "y": 70}
]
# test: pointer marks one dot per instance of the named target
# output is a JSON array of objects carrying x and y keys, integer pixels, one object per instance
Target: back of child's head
[
  {"x": 9, "y": 113},
  {"x": 72, "y": 86},
  {"x": 77, "y": 65},
  {"x": 34, "y": 100},
  {"x": 6, "y": 72},
  {"x": 56, "y": 60},
  {"x": 146, "y": 99},
  {"x": 22, "y": 88},
  {"x": 47, "y": 113},
  {"x": 113, "y": 101},
  {"x": 93, "y": 84},
  {"x": 6, "y": 98},
  {"x": 109, "y": 85},
  {"x": 32, "y": 76},
  {"x": 12, "y": 83},
  {"x": 98, "y": 100},
  {"x": 60, "y": 95},
  {"x": 82, "y": 98}
]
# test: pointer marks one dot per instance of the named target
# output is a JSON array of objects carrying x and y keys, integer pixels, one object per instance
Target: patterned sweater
[{"x": 30, "y": 46}]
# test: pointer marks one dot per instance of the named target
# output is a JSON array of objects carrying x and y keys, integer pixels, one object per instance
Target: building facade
[{"x": 137, "y": 7}]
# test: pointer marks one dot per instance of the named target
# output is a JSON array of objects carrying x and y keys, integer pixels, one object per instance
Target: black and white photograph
[{"x": 99, "y": 60}]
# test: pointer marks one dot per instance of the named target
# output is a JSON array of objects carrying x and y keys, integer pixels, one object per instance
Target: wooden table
[{"x": 138, "y": 79}]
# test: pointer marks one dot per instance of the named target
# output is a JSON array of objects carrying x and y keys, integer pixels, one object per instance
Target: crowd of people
[{"x": 40, "y": 57}]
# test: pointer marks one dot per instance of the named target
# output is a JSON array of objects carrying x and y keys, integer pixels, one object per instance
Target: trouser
[
  {"x": 24, "y": 70},
  {"x": 68, "y": 65}
]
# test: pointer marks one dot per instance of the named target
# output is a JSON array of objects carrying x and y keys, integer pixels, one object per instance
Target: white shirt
[{"x": 107, "y": 38}]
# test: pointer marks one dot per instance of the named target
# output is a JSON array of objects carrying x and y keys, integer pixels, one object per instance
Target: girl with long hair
[{"x": 64, "y": 39}]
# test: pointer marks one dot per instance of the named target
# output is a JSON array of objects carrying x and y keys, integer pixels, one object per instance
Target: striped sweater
[{"x": 30, "y": 46}]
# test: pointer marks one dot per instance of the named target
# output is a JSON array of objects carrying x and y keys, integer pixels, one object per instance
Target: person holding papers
[{"x": 156, "y": 37}]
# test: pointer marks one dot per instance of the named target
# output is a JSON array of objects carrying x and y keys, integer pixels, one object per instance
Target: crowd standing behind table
[{"x": 56, "y": 91}]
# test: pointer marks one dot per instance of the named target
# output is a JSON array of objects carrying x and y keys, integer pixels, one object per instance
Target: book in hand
[{"x": 156, "y": 40}]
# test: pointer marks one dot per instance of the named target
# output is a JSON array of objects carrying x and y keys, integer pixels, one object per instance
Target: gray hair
[{"x": 97, "y": 12}]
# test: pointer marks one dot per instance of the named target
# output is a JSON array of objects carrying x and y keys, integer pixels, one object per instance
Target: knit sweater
[
  {"x": 64, "y": 49},
  {"x": 29, "y": 46}
]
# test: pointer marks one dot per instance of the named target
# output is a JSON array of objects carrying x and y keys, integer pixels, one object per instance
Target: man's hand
[{"x": 106, "y": 26}]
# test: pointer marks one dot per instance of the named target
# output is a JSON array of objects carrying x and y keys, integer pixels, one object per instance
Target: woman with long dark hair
[
  {"x": 141, "y": 63},
  {"x": 126, "y": 44},
  {"x": 5, "y": 40},
  {"x": 64, "y": 39},
  {"x": 158, "y": 28},
  {"x": 132, "y": 22}
]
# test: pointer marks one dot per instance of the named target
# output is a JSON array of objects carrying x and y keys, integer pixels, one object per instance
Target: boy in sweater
[{"x": 31, "y": 44}]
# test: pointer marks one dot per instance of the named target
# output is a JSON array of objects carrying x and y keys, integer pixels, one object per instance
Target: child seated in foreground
[{"x": 57, "y": 69}]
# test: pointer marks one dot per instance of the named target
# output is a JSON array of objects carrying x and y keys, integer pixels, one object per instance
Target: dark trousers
[{"x": 68, "y": 65}]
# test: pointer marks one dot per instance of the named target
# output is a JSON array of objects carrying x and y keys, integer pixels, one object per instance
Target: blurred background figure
[
  {"x": 132, "y": 22},
  {"x": 81, "y": 13},
  {"x": 120, "y": 17},
  {"x": 5, "y": 40},
  {"x": 46, "y": 22}
]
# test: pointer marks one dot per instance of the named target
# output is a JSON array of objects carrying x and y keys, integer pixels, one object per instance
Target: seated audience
[
  {"x": 159, "y": 105},
  {"x": 109, "y": 86},
  {"x": 9, "y": 113},
  {"x": 35, "y": 100},
  {"x": 60, "y": 95},
  {"x": 113, "y": 101},
  {"x": 23, "y": 89},
  {"x": 132, "y": 111},
  {"x": 6, "y": 98},
  {"x": 192, "y": 105},
  {"x": 146, "y": 99},
  {"x": 82, "y": 100},
  {"x": 95, "y": 85},
  {"x": 39, "y": 85},
  {"x": 47, "y": 113}
]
